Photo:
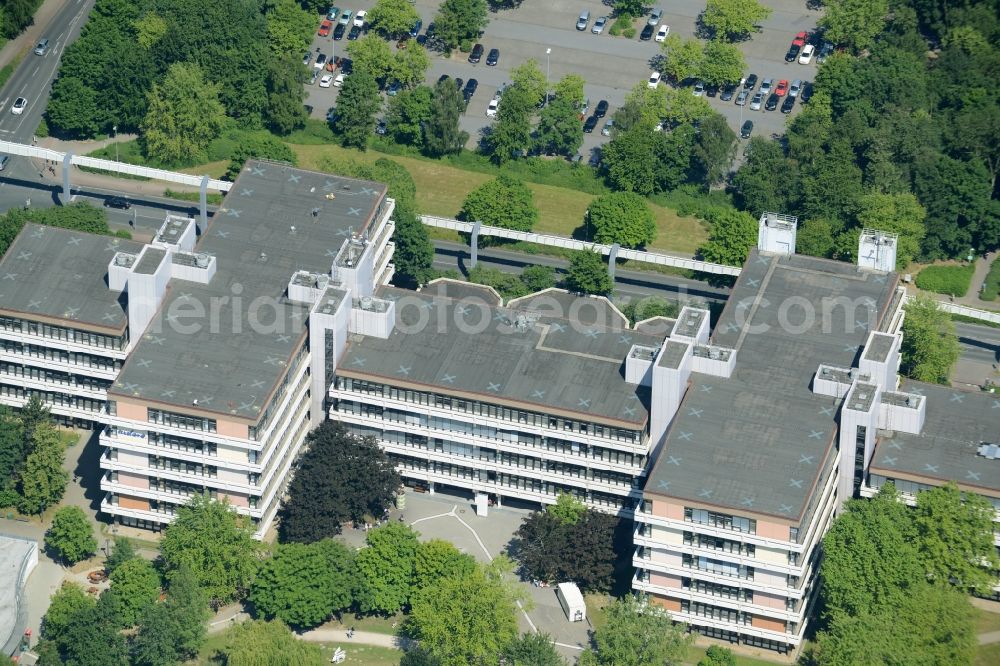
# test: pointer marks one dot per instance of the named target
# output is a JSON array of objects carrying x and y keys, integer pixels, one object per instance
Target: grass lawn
[
  {"x": 369, "y": 655},
  {"x": 696, "y": 653},
  {"x": 595, "y": 609},
  {"x": 378, "y": 625},
  {"x": 441, "y": 189},
  {"x": 987, "y": 621},
  {"x": 987, "y": 655}
]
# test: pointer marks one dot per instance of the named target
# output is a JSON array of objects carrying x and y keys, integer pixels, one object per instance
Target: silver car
[
  {"x": 741, "y": 99},
  {"x": 765, "y": 87},
  {"x": 758, "y": 98},
  {"x": 654, "y": 16},
  {"x": 795, "y": 88},
  {"x": 599, "y": 25}
]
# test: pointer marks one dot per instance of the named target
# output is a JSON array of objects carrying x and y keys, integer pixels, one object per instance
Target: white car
[
  {"x": 19, "y": 105},
  {"x": 339, "y": 81},
  {"x": 326, "y": 81},
  {"x": 699, "y": 89},
  {"x": 599, "y": 25},
  {"x": 359, "y": 18},
  {"x": 806, "y": 55},
  {"x": 795, "y": 88},
  {"x": 661, "y": 34},
  {"x": 755, "y": 103},
  {"x": 765, "y": 87},
  {"x": 654, "y": 79},
  {"x": 607, "y": 128},
  {"x": 491, "y": 110}
]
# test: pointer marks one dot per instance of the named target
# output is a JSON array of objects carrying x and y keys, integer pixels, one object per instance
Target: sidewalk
[
  {"x": 982, "y": 268},
  {"x": 33, "y": 32},
  {"x": 364, "y": 637}
]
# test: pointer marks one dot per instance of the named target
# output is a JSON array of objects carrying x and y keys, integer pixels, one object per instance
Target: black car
[
  {"x": 117, "y": 202},
  {"x": 647, "y": 33},
  {"x": 602, "y": 109},
  {"x": 591, "y": 123},
  {"x": 806, "y": 92},
  {"x": 751, "y": 82},
  {"x": 458, "y": 83},
  {"x": 786, "y": 106},
  {"x": 793, "y": 53},
  {"x": 772, "y": 102},
  {"x": 493, "y": 58},
  {"x": 346, "y": 66},
  {"x": 354, "y": 33},
  {"x": 711, "y": 91},
  {"x": 747, "y": 129},
  {"x": 338, "y": 32},
  {"x": 470, "y": 89},
  {"x": 477, "y": 54},
  {"x": 380, "y": 127},
  {"x": 728, "y": 91},
  {"x": 443, "y": 77},
  {"x": 415, "y": 30}
]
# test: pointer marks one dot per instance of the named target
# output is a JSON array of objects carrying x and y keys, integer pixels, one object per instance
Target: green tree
[
  {"x": 633, "y": 8},
  {"x": 341, "y": 477},
  {"x": 93, "y": 638},
  {"x": 35, "y": 413},
  {"x": 721, "y": 63},
  {"x": 900, "y": 213},
  {"x": 636, "y": 634},
  {"x": 508, "y": 285},
  {"x": 559, "y": 128},
  {"x": 386, "y": 569},
  {"x": 258, "y": 145},
  {"x": 854, "y": 23},
  {"x": 409, "y": 65},
  {"x": 150, "y": 29},
  {"x": 510, "y": 135},
  {"x": 13, "y": 447},
  {"x": 733, "y": 234},
  {"x": 637, "y": 310},
  {"x": 569, "y": 88},
  {"x": 504, "y": 202},
  {"x": 72, "y": 109},
  {"x": 734, "y": 19},
  {"x": 537, "y": 278},
  {"x": 624, "y": 218},
  {"x": 468, "y": 618},
  {"x": 216, "y": 544},
  {"x": 184, "y": 115},
  {"x": 371, "y": 54},
  {"x": 587, "y": 274},
  {"x": 285, "y": 110},
  {"x": 714, "y": 149},
  {"x": 122, "y": 552},
  {"x": 629, "y": 160},
  {"x": 135, "y": 586},
  {"x": 644, "y": 106},
  {"x": 930, "y": 347},
  {"x": 257, "y": 643},
  {"x": 767, "y": 181},
  {"x": 42, "y": 481},
  {"x": 533, "y": 649},
  {"x": 419, "y": 657},
  {"x": 174, "y": 630},
  {"x": 407, "y": 114},
  {"x": 529, "y": 78},
  {"x": 289, "y": 29},
  {"x": 442, "y": 134},
  {"x": 392, "y": 18},
  {"x": 718, "y": 656},
  {"x": 303, "y": 584},
  {"x": 681, "y": 107},
  {"x": 567, "y": 510},
  {"x": 67, "y": 601},
  {"x": 682, "y": 57},
  {"x": 71, "y": 535},
  {"x": 815, "y": 238},
  {"x": 550, "y": 547},
  {"x": 436, "y": 559},
  {"x": 358, "y": 102},
  {"x": 955, "y": 538},
  {"x": 460, "y": 20}
]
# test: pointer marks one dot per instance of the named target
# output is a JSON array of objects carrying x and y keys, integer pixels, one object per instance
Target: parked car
[
  {"x": 711, "y": 90},
  {"x": 443, "y": 77},
  {"x": 800, "y": 39},
  {"x": 728, "y": 91},
  {"x": 42, "y": 47},
  {"x": 602, "y": 109},
  {"x": 792, "y": 54},
  {"x": 354, "y": 33},
  {"x": 772, "y": 102},
  {"x": 758, "y": 98},
  {"x": 699, "y": 89},
  {"x": 590, "y": 124},
  {"x": 583, "y": 21},
  {"x": 117, "y": 202},
  {"x": 824, "y": 52},
  {"x": 741, "y": 99},
  {"x": 477, "y": 54},
  {"x": 647, "y": 32},
  {"x": 380, "y": 127},
  {"x": 324, "y": 28},
  {"x": 747, "y": 129},
  {"x": 786, "y": 106},
  {"x": 795, "y": 88},
  {"x": 333, "y": 14},
  {"x": 751, "y": 82},
  {"x": 807, "y": 92},
  {"x": 491, "y": 108},
  {"x": 599, "y": 25},
  {"x": 339, "y": 32},
  {"x": 326, "y": 81},
  {"x": 320, "y": 61},
  {"x": 470, "y": 89},
  {"x": 661, "y": 34},
  {"x": 807, "y": 54},
  {"x": 314, "y": 77},
  {"x": 458, "y": 83},
  {"x": 345, "y": 16},
  {"x": 606, "y": 130},
  {"x": 654, "y": 16},
  {"x": 493, "y": 57},
  {"x": 782, "y": 88},
  {"x": 654, "y": 79},
  {"x": 765, "y": 87},
  {"x": 359, "y": 18},
  {"x": 307, "y": 58},
  {"x": 393, "y": 88},
  {"x": 415, "y": 30},
  {"x": 339, "y": 81}
]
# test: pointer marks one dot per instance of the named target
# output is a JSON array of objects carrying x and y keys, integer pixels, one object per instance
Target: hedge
[
  {"x": 991, "y": 287},
  {"x": 949, "y": 280}
]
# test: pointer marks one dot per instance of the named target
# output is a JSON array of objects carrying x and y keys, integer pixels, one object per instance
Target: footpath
[{"x": 33, "y": 32}]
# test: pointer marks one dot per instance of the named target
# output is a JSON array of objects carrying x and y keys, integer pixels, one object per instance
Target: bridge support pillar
[
  {"x": 66, "y": 164},
  {"x": 474, "y": 242},
  {"x": 203, "y": 200},
  {"x": 612, "y": 257}
]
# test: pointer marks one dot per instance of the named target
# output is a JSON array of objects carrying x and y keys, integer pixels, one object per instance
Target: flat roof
[
  {"x": 60, "y": 274},
  {"x": 755, "y": 443},
  {"x": 230, "y": 362},
  {"x": 477, "y": 350},
  {"x": 150, "y": 260},
  {"x": 956, "y": 423},
  {"x": 862, "y": 396},
  {"x": 878, "y": 348},
  {"x": 673, "y": 353}
]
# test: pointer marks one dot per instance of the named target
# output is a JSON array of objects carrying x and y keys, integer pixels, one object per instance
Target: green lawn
[
  {"x": 378, "y": 625},
  {"x": 442, "y": 188},
  {"x": 696, "y": 653},
  {"x": 988, "y": 655},
  {"x": 369, "y": 655},
  {"x": 992, "y": 289},
  {"x": 987, "y": 621}
]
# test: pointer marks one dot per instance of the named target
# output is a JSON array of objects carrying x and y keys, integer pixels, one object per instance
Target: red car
[
  {"x": 324, "y": 28},
  {"x": 782, "y": 88},
  {"x": 800, "y": 39}
]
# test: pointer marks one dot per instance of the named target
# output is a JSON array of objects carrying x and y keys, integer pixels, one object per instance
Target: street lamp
[
  {"x": 547, "y": 52},
  {"x": 114, "y": 128}
]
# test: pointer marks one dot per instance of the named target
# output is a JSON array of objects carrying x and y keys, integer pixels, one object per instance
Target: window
[{"x": 721, "y": 520}]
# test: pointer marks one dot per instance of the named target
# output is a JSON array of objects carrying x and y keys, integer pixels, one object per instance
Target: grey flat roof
[
  {"x": 550, "y": 365},
  {"x": 755, "y": 443},
  {"x": 956, "y": 423},
  {"x": 60, "y": 274},
  {"x": 862, "y": 396},
  {"x": 688, "y": 324},
  {"x": 232, "y": 366},
  {"x": 878, "y": 349},
  {"x": 150, "y": 261},
  {"x": 673, "y": 352}
]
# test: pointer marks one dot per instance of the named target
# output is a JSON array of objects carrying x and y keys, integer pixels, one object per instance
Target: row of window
[
  {"x": 720, "y": 520},
  {"x": 717, "y": 567},
  {"x": 717, "y": 543},
  {"x": 83, "y": 359},
  {"x": 265, "y": 419},
  {"x": 27, "y": 327},
  {"x": 54, "y": 376},
  {"x": 184, "y": 444},
  {"x": 181, "y": 421},
  {"x": 716, "y": 612},
  {"x": 488, "y": 409},
  {"x": 53, "y": 398}
]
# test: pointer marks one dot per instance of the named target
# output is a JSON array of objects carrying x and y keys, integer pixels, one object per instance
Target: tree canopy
[
  {"x": 386, "y": 569},
  {"x": 458, "y": 21},
  {"x": 502, "y": 202},
  {"x": 357, "y": 104},
  {"x": 257, "y": 642},
  {"x": 734, "y": 19},
  {"x": 442, "y": 134},
  {"x": 135, "y": 586},
  {"x": 184, "y": 115},
  {"x": 173, "y": 630},
  {"x": 392, "y": 18},
  {"x": 587, "y": 274},
  {"x": 636, "y": 634},
  {"x": 340, "y": 478},
  {"x": 71, "y": 535},
  {"x": 42, "y": 480},
  {"x": 930, "y": 346},
  {"x": 624, "y": 218},
  {"x": 733, "y": 234}
]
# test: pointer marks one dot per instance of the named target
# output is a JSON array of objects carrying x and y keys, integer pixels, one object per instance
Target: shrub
[
  {"x": 950, "y": 280},
  {"x": 991, "y": 287}
]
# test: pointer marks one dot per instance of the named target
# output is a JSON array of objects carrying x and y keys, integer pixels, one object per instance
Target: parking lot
[{"x": 610, "y": 65}]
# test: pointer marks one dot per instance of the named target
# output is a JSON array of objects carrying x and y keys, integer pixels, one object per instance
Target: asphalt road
[{"x": 980, "y": 356}]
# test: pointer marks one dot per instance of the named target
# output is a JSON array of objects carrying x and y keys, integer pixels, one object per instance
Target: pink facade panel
[
  {"x": 133, "y": 480},
  {"x": 235, "y": 499},
  {"x": 768, "y": 600},
  {"x": 772, "y": 530},
  {"x": 131, "y": 411},
  {"x": 664, "y": 580},
  {"x": 770, "y": 578},
  {"x": 668, "y": 510},
  {"x": 231, "y": 429}
]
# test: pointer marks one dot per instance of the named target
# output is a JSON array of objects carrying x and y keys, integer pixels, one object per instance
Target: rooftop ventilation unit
[
  {"x": 989, "y": 451},
  {"x": 367, "y": 303},
  {"x": 201, "y": 260}
]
